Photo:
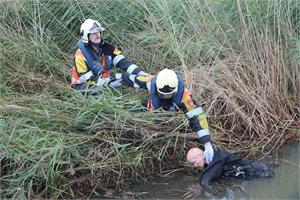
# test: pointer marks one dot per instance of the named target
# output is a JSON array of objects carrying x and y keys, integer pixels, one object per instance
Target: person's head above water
[{"x": 195, "y": 157}]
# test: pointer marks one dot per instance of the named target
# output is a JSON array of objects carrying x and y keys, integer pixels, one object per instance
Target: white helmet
[
  {"x": 166, "y": 84},
  {"x": 89, "y": 26}
]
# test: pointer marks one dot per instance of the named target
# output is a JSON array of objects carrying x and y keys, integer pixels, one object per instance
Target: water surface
[{"x": 284, "y": 185}]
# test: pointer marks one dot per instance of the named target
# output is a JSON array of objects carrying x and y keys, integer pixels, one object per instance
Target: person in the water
[{"x": 226, "y": 164}]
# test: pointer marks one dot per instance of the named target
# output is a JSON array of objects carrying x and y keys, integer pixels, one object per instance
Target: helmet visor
[
  {"x": 165, "y": 96},
  {"x": 166, "y": 92},
  {"x": 96, "y": 28}
]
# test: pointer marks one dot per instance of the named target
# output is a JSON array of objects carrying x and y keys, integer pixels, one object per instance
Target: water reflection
[{"x": 284, "y": 185}]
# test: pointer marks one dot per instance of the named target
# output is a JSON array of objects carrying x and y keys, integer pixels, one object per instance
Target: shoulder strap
[
  {"x": 178, "y": 96},
  {"x": 154, "y": 99},
  {"x": 87, "y": 54}
]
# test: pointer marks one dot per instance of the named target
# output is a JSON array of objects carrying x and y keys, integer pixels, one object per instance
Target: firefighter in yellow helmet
[
  {"x": 167, "y": 91},
  {"x": 95, "y": 58}
]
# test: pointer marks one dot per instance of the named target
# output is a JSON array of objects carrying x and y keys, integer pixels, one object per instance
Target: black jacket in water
[{"x": 226, "y": 164}]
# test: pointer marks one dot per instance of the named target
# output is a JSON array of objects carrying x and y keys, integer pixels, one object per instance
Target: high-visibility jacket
[
  {"x": 89, "y": 66},
  {"x": 181, "y": 101}
]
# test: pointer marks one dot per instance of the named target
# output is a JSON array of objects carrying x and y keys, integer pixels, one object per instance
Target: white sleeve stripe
[
  {"x": 131, "y": 68},
  {"x": 85, "y": 77},
  {"x": 117, "y": 59},
  {"x": 194, "y": 112},
  {"x": 132, "y": 78},
  {"x": 202, "y": 132}
]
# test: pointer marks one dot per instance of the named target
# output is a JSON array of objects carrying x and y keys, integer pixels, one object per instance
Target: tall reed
[{"x": 240, "y": 59}]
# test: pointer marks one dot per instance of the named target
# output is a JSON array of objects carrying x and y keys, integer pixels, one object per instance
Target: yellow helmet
[
  {"x": 89, "y": 26},
  {"x": 166, "y": 84}
]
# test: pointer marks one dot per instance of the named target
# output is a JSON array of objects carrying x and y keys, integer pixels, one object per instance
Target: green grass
[{"x": 240, "y": 59}]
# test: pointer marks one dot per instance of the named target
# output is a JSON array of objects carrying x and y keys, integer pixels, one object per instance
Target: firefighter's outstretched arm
[
  {"x": 137, "y": 81},
  {"x": 122, "y": 62},
  {"x": 198, "y": 122}
]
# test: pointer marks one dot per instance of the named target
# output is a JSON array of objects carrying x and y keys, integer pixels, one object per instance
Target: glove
[
  {"x": 115, "y": 83},
  {"x": 208, "y": 152},
  {"x": 102, "y": 81}
]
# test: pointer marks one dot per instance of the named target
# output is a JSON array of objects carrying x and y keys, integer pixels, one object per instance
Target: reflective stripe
[
  {"x": 142, "y": 73},
  {"x": 132, "y": 78},
  {"x": 148, "y": 84},
  {"x": 117, "y": 59},
  {"x": 85, "y": 77},
  {"x": 194, "y": 112},
  {"x": 202, "y": 132},
  {"x": 131, "y": 68}
]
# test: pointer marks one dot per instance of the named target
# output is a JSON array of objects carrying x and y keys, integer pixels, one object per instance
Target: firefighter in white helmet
[
  {"x": 95, "y": 58},
  {"x": 167, "y": 91}
]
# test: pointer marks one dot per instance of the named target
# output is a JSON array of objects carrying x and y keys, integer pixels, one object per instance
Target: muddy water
[
  {"x": 179, "y": 185},
  {"x": 285, "y": 184}
]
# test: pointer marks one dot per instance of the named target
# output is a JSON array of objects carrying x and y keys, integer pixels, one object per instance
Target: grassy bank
[{"x": 240, "y": 60}]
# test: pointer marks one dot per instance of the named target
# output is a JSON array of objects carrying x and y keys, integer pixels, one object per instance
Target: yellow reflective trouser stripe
[{"x": 203, "y": 121}]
